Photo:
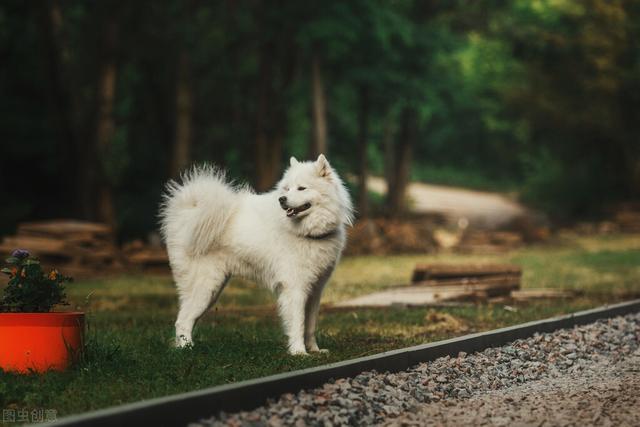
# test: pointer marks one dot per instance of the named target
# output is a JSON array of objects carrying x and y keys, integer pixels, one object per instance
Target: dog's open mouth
[{"x": 292, "y": 212}]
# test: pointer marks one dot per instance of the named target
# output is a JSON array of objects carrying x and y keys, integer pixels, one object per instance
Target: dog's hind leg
[
  {"x": 205, "y": 284},
  {"x": 291, "y": 304}
]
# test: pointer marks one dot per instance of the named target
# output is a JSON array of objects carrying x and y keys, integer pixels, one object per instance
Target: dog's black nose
[{"x": 282, "y": 199}]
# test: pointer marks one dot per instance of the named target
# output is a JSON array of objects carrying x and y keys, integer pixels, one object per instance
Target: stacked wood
[
  {"x": 487, "y": 241},
  {"x": 146, "y": 258},
  {"x": 532, "y": 227},
  {"x": 77, "y": 248},
  {"x": 475, "y": 281},
  {"x": 446, "y": 284},
  {"x": 627, "y": 217},
  {"x": 434, "y": 272},
  {"x": 383, "y": 236}
]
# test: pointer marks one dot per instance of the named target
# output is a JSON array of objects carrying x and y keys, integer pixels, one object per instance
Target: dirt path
[
  {"x": 480, "y": 208},
  {"x": 600, "y": 395}
]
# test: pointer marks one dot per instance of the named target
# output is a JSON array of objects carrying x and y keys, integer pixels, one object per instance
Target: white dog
[{"x": 288, "y": 240}]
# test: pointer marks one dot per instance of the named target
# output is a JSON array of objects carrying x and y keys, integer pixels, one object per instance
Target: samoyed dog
[{"x": 289, "y": 240}]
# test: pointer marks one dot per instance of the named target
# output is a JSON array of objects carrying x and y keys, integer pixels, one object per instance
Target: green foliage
[
  {"x": 494, "y": 84},
  {"x": 30, "y": 289},
  {"x": 579, "y": 96}
]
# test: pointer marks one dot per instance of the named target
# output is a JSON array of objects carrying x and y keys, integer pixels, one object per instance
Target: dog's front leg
[
  {"x": 311, "y": 318},
  {"x": 291, "y": 303}
]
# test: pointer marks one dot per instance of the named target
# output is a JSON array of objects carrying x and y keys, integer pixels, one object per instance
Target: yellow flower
[{"x": 53, "y": 275}]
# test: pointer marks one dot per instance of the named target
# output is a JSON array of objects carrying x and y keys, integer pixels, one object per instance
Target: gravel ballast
[{"x": 587, "y": 375}]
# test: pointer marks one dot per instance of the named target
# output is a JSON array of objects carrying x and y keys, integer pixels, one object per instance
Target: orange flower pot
[{"x": 38, "y": 342}]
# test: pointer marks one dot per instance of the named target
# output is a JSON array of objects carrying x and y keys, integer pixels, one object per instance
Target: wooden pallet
[
  {"x": 146, "y": 258},
  {"x": 435, "y": 272},
  {"x": 470, "y": 281}
]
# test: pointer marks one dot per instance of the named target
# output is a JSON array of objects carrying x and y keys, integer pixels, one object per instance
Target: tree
[
  {"x": 277, "y": 60},
  {"x": 56, "y": 44},
  {"x": 580, "y": 100},
  {"x": 362, "y": 204},
  {"x": 400, "y": 167},
  {"x": 318, "y": 108},
  {"x": 105, "y": 126},
  {"x": 184, "y": 116}
]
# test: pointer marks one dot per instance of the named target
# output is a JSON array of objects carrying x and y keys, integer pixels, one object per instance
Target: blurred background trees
[{"x": 102, "y": 102}]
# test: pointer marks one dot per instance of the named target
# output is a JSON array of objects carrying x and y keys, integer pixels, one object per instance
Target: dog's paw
[
  {"x": 319, "y": 350},
  {"x": 298, "y": 352},
  {"x": 183, "y": 342}
]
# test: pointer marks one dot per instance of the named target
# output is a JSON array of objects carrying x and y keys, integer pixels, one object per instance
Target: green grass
[{"x": 130, "y": 319}]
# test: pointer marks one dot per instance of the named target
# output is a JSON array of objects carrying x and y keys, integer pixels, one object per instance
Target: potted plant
[{"x": 34, "y": 339}]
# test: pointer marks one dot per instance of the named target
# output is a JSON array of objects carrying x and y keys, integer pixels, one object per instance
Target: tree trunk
[
  {"x": 184, "y": 114},
  {"x": 318, "y": 110},
  {"x": 105, "y": 126},
  {"x": 363, "y": 140},
  {"x": 401, "y": 167},
  {"x": 76, "y": 180},
  {"x": 264, "y": 149},
  {"x": 388, "y": 145},
  {"x": 277, "y": 59}
]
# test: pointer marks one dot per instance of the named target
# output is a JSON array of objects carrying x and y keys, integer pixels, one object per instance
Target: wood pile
[
  {"x": 146, "y": 258},
  {"x": 76, "y": 248},
  {"x": 383, "y": 236},
  {"x": 490, "y": 241},
  {"x": 446, "y": 285},
  {"x": 627, "y": 217},
  {"x": 471, "y": 281}
]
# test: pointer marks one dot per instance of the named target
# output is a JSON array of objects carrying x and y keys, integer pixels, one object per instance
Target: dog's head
[{"x": 313, "y": 197}]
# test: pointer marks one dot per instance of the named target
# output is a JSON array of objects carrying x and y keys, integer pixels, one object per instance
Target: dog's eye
[
  {"x": 302, "y": 188},
  {"x": 286, "y": 188}
]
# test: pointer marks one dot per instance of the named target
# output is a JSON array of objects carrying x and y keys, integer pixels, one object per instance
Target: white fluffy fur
[{"x": 214, "y": 230}]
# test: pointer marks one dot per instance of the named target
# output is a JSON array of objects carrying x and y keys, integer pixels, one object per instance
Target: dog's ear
[
  {"x": 323, "y": 167},
  {"x": 293, "y": 161}
]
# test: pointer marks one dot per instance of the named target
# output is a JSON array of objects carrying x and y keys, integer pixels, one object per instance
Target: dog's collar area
[{"x": 323, "y": 236}]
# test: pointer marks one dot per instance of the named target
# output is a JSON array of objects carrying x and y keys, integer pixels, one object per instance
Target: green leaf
[{"x": 12, "y": 260}]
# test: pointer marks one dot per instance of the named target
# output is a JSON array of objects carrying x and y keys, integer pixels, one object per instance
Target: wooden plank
[
  {"x": 491, "y": 289},
  {"x": 149, "y": 256},
  {"x": 64, "y": 227},
  {"x": 101, "y": 254},
  {"x": 87, "y": 240},
  {"x": 510, "y": 281},
  {"x": 36, "y": 245},
  {"x": 539, "y": 293},
  {"x": 447, "y": 271},
  {"x": 426, "y": 294},
  {"x": 410, "y": 297}
]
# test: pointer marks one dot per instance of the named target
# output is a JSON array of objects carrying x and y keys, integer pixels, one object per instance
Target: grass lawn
[{"x": 130, "y": 324}]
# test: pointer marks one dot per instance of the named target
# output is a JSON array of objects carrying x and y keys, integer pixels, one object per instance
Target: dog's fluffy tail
[{"x": 194, "y": 212}]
